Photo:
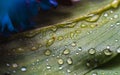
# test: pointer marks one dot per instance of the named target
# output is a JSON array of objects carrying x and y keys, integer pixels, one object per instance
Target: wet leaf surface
[{"x": 78, "y": 44}]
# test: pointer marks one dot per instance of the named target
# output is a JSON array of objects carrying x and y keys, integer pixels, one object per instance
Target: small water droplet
[
  {"x": 116, "y": 40},
  {"x": 47, "y": 52},
  {"x": 118, "y": 50},
  {"x": 14, "y": 65},
  {"x": 19, "y": 50},
  {"x": 69, "y": 61},
  {"x": 107, "y": 52},
  {"x": 88, "y": 64},
  {"x": 60, "y": 61},
  {"x": 115, "y": 16},
  {"x": 80, "y": 48},
  {"x": 111, "y": 11},
  {"x": 83, "y": 25},
  {"x": 60, "y": 67},
  {"x": 48, "y": 67},
  {"x": 60, "y": 38},
  {"x": 77, "y": 53},
  {"x": 111, "y": 18},
  {"x": 108, "y": 47},
  {"x": 8, "y": 65},
  {"x": 68, "y": 71},
  {"x": 66, "y": 51},
  {"x": 50, "y": 42},
  {"x": 93, "y": 25},
  {"x": 14, "y": 71},
  {"x": 34, "y": 48},
  {"x": 92, "y": 51},
  {"x": 23, "y": 69},
  {"x": 106, "y": 15},
  {"x": 73, "y": 44}
]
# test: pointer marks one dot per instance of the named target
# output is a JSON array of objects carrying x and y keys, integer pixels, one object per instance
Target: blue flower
[{"x": 16, "y": 15}]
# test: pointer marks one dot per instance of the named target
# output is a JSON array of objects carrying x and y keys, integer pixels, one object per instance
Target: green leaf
[{"x": 74, "y": 45}]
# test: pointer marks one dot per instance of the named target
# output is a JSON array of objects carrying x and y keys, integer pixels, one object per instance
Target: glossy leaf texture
[{"x": 82, "y": 43}]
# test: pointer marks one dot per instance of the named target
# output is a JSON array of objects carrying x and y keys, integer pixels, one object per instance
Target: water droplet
[
  {"x": 50, "y": 42},
  {"x": 66, "y": 51},
  {"x": 8, "y": 65},
  {"x": 20, "y": 50},
  {"x": 48, "y": 67},
  {"x": 60, "y": 61},
  {"x": 93, "y": 18},
  {"x": 115, "y": 3},
  {"x": 69, "y": 61},
  {"x": 14, "y": 65},
  {"x": 116, "y": 40},
  {"x": 47, "y": 52},
  {"x": 106, "y": 15},
  {"x": 60, "y": 67},
  {"x": 40, "y": 45},
  {"x": 108, "y": 47},
  {"x": 68, "y": 71},
  {"x": 115, "y": 16},
  {"x": 80, "y": 48},
  {"x": 83, "y": 25},
  {"x": 23, "y": 69},
  {"x": 111, "y": 11},
  {"x": 88, "y": 64},
  {"x": 60, "y": 38},
  {"x": 14, "y": 71},
  {"x": 73, "y": 44},
  {"x": 34, "y": 48},
  {"x": 107, "y": 52},
  {"x": 92, "y": 51},
  {"x": 118, "y": 50},
  {"x": 93, "y": 25},
  {"x": 111, "y": 18}
]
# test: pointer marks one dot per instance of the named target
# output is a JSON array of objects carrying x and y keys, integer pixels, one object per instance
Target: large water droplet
[
  {"x": 93, "y": 18},
  {"x": 69, "y": 61},
  {"x": 92, "y": 51},
  {"x": 107, "y": 52},
  {"x": 66, "y": 51},
  {"x": 73, "y": 44},
  {"x": 60, "y": 61},
  {"x": 47, "y": 52},
  {"x": 50, "y": 42}
]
